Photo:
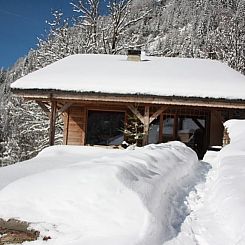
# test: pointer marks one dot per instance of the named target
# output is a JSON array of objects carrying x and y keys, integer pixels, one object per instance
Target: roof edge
[{"x": 41, "y": 94}]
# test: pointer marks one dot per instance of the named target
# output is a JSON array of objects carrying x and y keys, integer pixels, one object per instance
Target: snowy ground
[
  {"x": 218, "y": 205},
  {"x": 158, "y": 194}
]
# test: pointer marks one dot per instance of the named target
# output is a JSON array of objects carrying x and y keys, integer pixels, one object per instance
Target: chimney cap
[
  {"x": 134, "y": 55},
  {"x": 134, "y": 52}
]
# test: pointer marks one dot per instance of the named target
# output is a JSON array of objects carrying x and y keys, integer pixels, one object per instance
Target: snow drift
[
  {"x": 158, "y": 194},
  {"x": 228, "y": 190},
  {"x": 85, "y": 195}
]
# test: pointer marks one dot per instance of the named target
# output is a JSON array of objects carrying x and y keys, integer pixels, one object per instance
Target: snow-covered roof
[{"x": 159, "y": 76}]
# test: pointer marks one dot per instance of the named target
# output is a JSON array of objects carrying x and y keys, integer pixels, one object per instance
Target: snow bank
[
  {"x": 218, "y": 206},
  {"x": 89, "y": 195},
  {"x": 229, "y": 189},
  {"x": 236, "y": 130}
]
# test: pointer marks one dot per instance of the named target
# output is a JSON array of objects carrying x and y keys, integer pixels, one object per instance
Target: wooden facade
[
  {"x": 207, "y": 115},
  {"x": 75, "y": 125}
]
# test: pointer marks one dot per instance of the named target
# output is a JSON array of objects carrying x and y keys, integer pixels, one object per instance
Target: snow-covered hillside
[{"x": 158, "y": 194}]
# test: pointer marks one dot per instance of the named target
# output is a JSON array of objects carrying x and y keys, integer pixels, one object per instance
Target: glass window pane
[{"x": 105, "y": 128}]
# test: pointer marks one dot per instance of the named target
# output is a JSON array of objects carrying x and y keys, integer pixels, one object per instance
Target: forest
[{"x": 212, "y": 29}]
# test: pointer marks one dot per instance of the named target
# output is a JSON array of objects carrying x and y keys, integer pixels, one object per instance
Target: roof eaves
[{"x": 50, "y": 94}]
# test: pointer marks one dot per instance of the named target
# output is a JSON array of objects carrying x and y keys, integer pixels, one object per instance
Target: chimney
[{"x": 134, "y": 55}]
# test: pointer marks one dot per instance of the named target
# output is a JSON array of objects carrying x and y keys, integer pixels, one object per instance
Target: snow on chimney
[{"x": 134, "y": 55}]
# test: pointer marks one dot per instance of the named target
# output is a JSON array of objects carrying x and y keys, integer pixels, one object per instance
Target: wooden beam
[
  {"x": 156, "y": 100},
  {"x": 52, "y": 123},
  {"x": 146, "y": 120},
  {"x": 136, "y": 113},
  {"x": 157, "y": 113},
  {"x": 64, "y": 108},
  {"x": 66, "y": 128},
  {"x": 161, "y": 128},
  {"x": 218, "y": 116},
  {"x": 146, "y": 125},
  {"x": 44, "y": 107},
  {"x": 175, "y": 127},
  {"x": 207, "y": 131},
  {"x": 198, "y": 123}
]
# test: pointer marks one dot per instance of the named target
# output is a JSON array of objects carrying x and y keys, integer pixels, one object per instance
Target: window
[{"x": 105, "y": 128}]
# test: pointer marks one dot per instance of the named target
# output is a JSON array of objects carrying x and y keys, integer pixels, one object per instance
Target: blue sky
[{"x": 22, "y": 21}]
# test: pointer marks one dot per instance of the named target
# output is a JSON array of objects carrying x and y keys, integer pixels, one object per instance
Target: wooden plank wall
[
  {"x": 216, "y": 128},
  {"x": 75, "y": 126},
  {"x": 75, "y": 120}
]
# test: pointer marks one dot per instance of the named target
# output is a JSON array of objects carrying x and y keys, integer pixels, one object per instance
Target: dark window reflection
[{"x": 105, "y": 128}]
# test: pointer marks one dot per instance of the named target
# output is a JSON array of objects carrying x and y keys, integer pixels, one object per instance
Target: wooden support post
[
  {"x": 52, "y": 122},
  {"x": 161, "y": 128},
  {"x": 66, "y": 127},
  {"x": 146, "y": 125},
  {"x": 145, "y": 120},
  {"x": 207, "y": 126},
  {"x": 175, "y": 127}
]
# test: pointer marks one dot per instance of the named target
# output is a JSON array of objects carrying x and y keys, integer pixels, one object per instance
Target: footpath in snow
[{"x": 218, "y": 206}]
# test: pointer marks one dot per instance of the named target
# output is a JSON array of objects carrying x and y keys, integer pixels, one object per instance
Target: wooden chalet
[{"x": 99, "y": 96}]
